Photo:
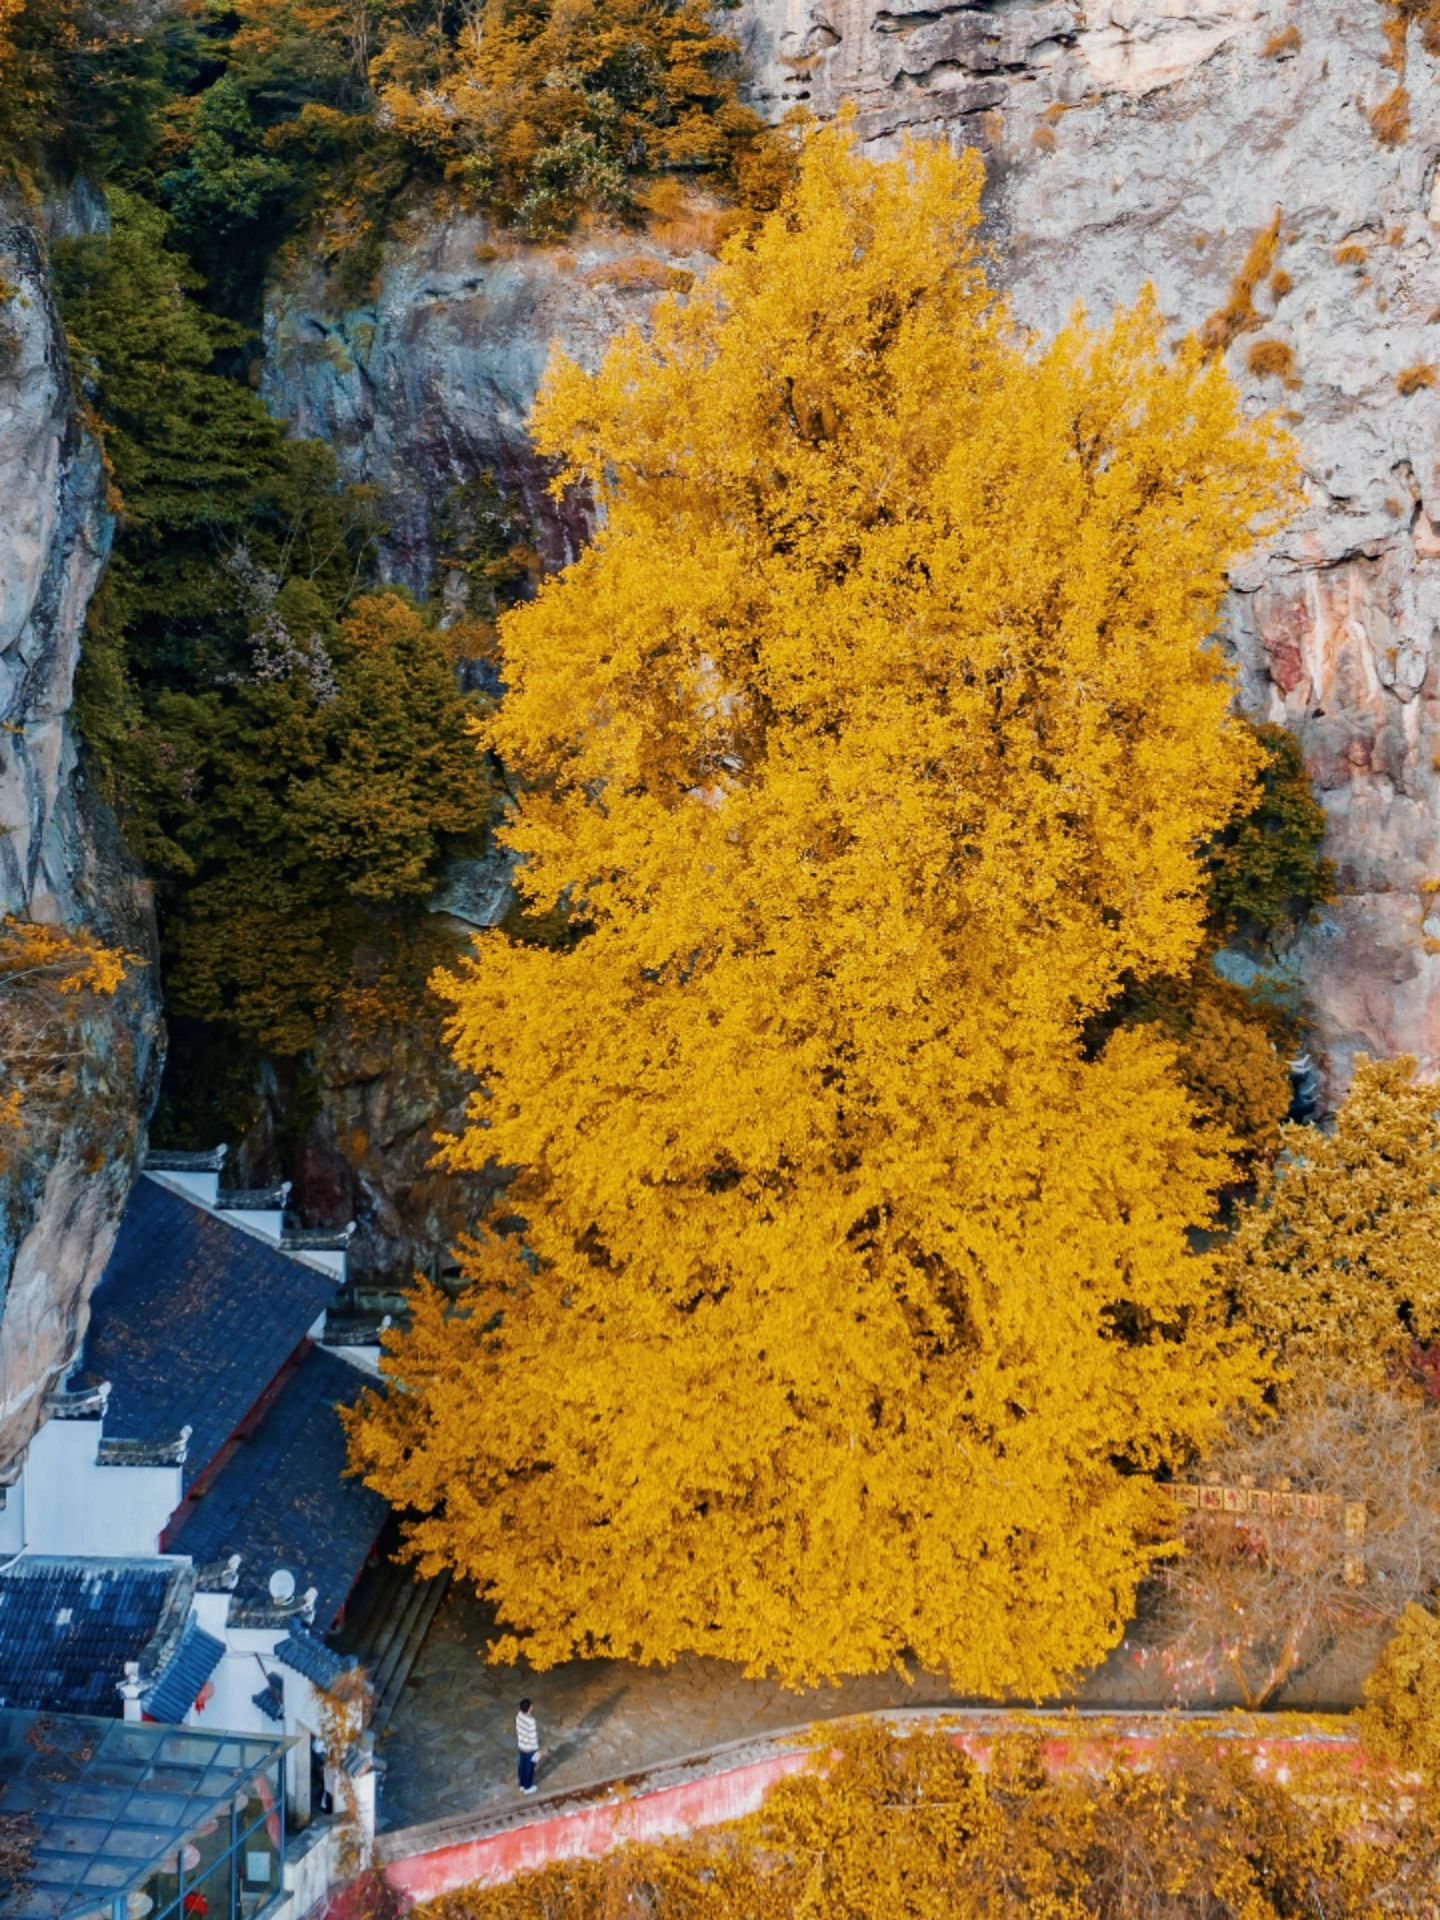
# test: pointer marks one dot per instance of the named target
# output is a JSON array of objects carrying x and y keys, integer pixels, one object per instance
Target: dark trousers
[{"x": 527, "y": 1769}]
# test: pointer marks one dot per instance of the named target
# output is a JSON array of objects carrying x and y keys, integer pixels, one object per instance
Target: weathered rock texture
[
  {"x": 61, "y": 860},
  {"x": 1127, "y": 140},
  {"x": 428, "y": 386},
  {"x": 379, "y": 1091}
]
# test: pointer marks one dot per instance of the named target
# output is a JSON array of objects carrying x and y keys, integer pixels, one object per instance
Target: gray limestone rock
[
  {"x": 428, "y": 387},
  {"x": 61, "y": 859}
]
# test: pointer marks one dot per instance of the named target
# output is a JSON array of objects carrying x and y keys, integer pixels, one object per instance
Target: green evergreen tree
[{"x": 288, "y": 754}]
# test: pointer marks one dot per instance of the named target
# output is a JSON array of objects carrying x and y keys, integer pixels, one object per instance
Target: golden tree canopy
[
  {"x": 869, "y": 745},
  {"x": 1338, "y": 1258}
]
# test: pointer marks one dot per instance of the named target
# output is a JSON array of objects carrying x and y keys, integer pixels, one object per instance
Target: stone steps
[{"x": 412, "y": 1625}]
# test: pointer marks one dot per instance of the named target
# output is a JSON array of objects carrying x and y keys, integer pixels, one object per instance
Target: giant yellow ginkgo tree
[{"x": 866, "y": 748}]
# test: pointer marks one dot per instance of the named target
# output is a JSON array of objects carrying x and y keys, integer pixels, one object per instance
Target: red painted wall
[
  {"x": 593, "y": 1829},
  {"x": 715, "y": 1797}
]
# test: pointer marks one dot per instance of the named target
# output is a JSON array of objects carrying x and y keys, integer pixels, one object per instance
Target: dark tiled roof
[
  {"x": 67, "y": 1628},
  {"x": 191, "y": 1321},
  {"x": 283, "y": 1500},
  {"x": 308, "y": 1654},
  {"x": 271, "y": 1699},
  {"x": 178, "y": 1686}
]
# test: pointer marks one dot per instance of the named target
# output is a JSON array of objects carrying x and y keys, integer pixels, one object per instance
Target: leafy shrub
[
  {"x": 313, "y": 799},
  {"x": 1337, "y": 1261},
  {"x": 85, "y": 81},
  {"x": 1266, "y": 869},
  {"x": 1400, "y": 1721},
  {"x": 1228, "y": 1047},
  {"x": 909, "y": 1826},
  {"x": 47, "y": 973},
  {"x": 230, "y": 195},
  {"x": 547, "y": 109}
]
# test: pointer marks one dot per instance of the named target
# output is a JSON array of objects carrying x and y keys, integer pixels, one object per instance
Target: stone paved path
[{"x": 450, "y": 1747}]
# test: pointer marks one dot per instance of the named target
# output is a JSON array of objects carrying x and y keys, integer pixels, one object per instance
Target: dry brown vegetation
[
  {"x": 1412, "y": 379},
  {"x": 1280, "y": 284},
  {"x": 1352, "y": 254},
  {"x": 1259, "y": 1597},
  {"x": 1390, "y": 121},
  {"x": 1284, "y": 41},
  {"x": 634, "y": 270},
  {"x": 1238, "y": 314},
  {"x": 683, "y": 221},
  {"x": 1271, "y": 360}
]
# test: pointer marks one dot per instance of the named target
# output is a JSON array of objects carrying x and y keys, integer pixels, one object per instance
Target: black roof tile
[
  {"x": 68, "y": 1626},
  {"x": 309, "y": 1655},
  {"x": 192, "y": 1320},
  {"x": 178, "y": 1686},
  {"x": 283, "y": 1498}
]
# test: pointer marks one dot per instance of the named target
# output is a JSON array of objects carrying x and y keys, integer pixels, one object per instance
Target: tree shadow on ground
[{"x": 578, "y": 1737}]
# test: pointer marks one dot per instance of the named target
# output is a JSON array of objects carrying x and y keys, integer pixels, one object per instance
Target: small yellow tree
[
  {"x": 1400, "y": 1721},
  {"x": 1338, "y": 1258},
  {"x": 869, "y": 746},
  {"x": 45, "y": 971}
]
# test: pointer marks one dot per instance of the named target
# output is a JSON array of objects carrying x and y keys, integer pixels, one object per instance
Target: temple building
[{"x": 181, "y": 1536}]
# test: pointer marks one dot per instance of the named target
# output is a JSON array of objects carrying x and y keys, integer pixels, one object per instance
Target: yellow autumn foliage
[
  {"x": 1338, "y": 1257},
  {"x": 1400, "y": 1721},
  {"x": 9, "y": 13},
  {"x": 868, "y": 746},
  {"x": 44, "y": 971},
  {"x": 908, "y": 1827}
]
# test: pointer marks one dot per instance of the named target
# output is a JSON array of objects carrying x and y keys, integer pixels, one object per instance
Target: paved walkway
[{"x": 449, "y": 1748}]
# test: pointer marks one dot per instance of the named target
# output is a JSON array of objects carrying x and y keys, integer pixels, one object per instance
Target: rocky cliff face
[
  {"x": 427, "y": 388},
  {"x": 1126, "y": 142},
  {"x": 60, "y": 856}
]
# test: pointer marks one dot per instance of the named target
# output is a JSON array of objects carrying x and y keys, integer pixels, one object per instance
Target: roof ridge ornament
[
  {"x": 253, "y": 1199},
  {"x": 78, "y": 1403},
  {"x": 130, "y": 1690},
  {"x": 167, "y": 1160},
  {"x": 143, "y": 1453},
  {"x": 219, "y": 1576}
]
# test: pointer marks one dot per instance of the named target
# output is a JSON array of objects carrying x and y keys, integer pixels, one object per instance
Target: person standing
[{"x": 527, "y": 1739}]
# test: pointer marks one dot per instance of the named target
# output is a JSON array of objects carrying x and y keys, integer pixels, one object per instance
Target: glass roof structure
[{"x": 127, "y": 1820}]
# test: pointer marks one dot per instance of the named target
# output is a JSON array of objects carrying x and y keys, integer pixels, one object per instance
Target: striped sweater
[{"x": 527, "y": 1734}]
